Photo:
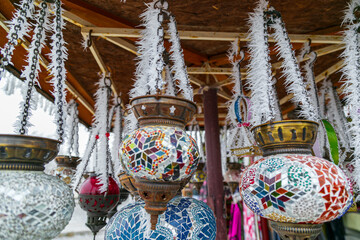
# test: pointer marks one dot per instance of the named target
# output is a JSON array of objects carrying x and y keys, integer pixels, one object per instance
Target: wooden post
[{"x": 213, "y": 156}]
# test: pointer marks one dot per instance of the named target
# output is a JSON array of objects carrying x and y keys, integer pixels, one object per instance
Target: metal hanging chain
[
  {"x": 162, "y": 5},
  {"x": 268, "y": 65},
  {"x": 59, "y": 74},
  {"x": 17, "y": 31},
  {"x": 73, "y": 109},
  {"x": 107, "y": 88},
  {"x": 34, "y": 61}
]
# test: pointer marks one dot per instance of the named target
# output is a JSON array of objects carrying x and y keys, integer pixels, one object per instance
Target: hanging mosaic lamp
[
  {"x": 185, "y": 218},
  {"x": 99, "y": 193},
  {"x": 199, "y": 176},
  {"x": 67, "y": 161},
  {"x": 96, "y": 203},
  {"x": 232, "y": 175},
  {"x": 66, "y": 168},
  {"x": 159, "y": 154},
  {"x": 295, "y": 190},
  {"x": 34, "y": 205}
]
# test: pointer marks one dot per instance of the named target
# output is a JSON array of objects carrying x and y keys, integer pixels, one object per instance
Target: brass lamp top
[
  {"x": 288, "y": 136},
  {"x": 21, "y": 152},
  {"x": 163, "y": 110}
]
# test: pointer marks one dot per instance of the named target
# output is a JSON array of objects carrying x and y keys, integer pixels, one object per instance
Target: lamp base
[
  {"x": 295, "y": 231},
  {"x": 156, "y": 196}
]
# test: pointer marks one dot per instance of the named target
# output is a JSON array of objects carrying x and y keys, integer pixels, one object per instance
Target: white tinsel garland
[
  {"x": 58, "y": 57},
  {"x": 71, "y": 139},
  {"x": 117, "y": 136},
  {"x": 130, "y": 121},
  {"x": 150, "y": 54},
  {"x": 293, "y": 79},
  {"x": 351, "y": 89},
  {"x": 170, "y": 86},
  {"x": 177, "y": 57},
  {"x": 19, "y": 26},
  {"x": 99, "y": 136},
  {"x": 259, "y": 73},
  {"x": 33, "y": 60}
]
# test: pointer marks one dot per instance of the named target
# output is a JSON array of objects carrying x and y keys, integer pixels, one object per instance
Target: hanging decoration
[
  {"x": 200, "y": 175},
  {"x": 35, "y": 205},
  {"x": 288, "y": 185},
  {"x": 68, "y": 157},
  {"x": 19, "y": 26},
  {"x": 100, "y": 193},
  {"x": 260, "y": 80},
  {"x": 185, "y": 218},
  {"x": 160, "y": 155},
  {"x": 351, "y": 91}
]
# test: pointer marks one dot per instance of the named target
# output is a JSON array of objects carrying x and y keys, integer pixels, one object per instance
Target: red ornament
[
  {"x": 107, "y": 135},
  {"x": 98, "y": 204},
  {"x": 97, "y": 137}
]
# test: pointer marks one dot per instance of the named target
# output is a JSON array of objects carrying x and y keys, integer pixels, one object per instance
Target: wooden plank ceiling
[{"x": 206, "y": 28}]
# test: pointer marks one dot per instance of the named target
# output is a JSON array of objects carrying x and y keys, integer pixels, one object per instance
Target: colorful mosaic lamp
[
  {"x": 66, "y": 168},
  {"x": 160, "y": 155},
  {"x": 185, "y": 218},
  {"x": 295, "y": 190},
  {"x": 199, "y": 176}
]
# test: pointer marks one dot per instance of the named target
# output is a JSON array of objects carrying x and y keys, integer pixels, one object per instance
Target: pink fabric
[
  {"x": 249, "y": 224},
  {"x": 235, "y": 223}
]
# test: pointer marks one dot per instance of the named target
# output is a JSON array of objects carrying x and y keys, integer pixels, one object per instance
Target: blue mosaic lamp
[{"x": 185, "y": 218}]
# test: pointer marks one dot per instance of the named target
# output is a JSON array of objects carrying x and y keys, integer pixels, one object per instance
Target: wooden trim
[{"x": 212, "y": 36}]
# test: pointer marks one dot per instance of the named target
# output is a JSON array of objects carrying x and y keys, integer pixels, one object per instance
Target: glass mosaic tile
[
  {"x": 160, "y": 152},
  {"x": 296, "y": 188},
  {"x": 185, "y": 218}
]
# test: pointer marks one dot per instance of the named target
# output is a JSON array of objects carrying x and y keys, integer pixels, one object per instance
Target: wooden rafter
[{"x": 211, "y": 36}]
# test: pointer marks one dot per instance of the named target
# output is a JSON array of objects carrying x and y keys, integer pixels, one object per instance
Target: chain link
[
  {"x": 59, "y": 76},
  {"x": 13, "y": 41},
  {"x": 162, "y": 5},
  {"x": 33, "y": 62}
]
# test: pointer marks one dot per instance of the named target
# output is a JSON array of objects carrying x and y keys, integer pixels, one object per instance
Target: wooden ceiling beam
[
  {"x": 101, "y": 18},
  {"x": 212, "y": 36}
]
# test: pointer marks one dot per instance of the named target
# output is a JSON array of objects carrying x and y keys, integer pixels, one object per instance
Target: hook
[{"x": 89, "y": 40}]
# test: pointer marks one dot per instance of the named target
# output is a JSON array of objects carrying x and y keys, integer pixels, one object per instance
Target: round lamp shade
[
  {"x": 296, "y": 189},
  {"x": 33, "y": 205},
  {"x": 185, "y": 218},
  {"x": 160, "y": 153},
  {"x": 92, "y": 200}
]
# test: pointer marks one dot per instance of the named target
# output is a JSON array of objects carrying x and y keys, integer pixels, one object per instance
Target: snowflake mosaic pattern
[
  {"x": 185, "y": 218},
  {"x": 160, "y": 152},
  {"x": 33, "y": 204},
  {"x": 296, "y": 188}
]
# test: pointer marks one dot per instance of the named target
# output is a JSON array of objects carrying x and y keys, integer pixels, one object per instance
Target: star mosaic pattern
[
  {"x": 296, "y": 188},
  {"x": 160, "y": 153},
  {"x": 185, "y": 218}
]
